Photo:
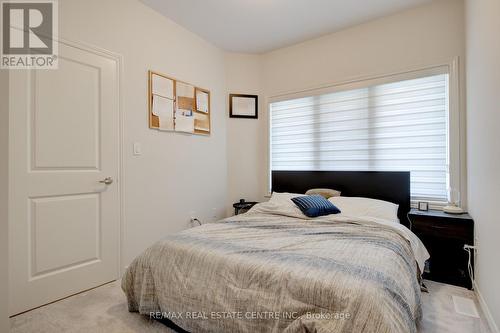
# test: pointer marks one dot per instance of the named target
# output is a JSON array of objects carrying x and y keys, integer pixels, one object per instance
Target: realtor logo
[{"x": 28, "y": 30}]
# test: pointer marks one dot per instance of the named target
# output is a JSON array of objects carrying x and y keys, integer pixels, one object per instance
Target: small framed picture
[
  {"x": 424, "y": 206},
  {"x": 243, "y": 106}
]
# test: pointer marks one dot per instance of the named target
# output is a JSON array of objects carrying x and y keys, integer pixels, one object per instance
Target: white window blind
[{"x": 398, "y": 126}]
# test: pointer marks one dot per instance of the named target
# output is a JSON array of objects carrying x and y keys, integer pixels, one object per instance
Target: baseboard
[{"x": 486, "y": 311}]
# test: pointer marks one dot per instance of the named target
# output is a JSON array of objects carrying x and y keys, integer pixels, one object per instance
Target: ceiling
[{"x": 257, "y": 26}]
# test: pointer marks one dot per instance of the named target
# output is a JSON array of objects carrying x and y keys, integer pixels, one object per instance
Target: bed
[{"x": 274, "y": 270}]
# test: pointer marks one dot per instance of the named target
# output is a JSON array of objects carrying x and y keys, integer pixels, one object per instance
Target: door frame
[{"x": 118, "y": 58}]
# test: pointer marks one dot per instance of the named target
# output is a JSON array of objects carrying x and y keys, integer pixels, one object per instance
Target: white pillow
[
  {"x": 284, "y": 198},
  {"x": 357, "y": 206}
]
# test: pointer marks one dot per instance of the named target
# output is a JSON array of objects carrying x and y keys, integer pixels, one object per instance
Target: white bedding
[{"x": 282, "y": 205}]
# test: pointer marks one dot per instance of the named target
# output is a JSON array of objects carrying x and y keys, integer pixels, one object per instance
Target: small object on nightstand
[
  {"x": 451, "y": 209},
  {"x": 423, "y": 206},
  {"x": 243, "y": 205},
  {"x": 453, "y": 206},
  {"x": 444, "y": 236}
]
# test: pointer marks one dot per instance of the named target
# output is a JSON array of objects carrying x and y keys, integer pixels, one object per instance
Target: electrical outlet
[
  {"x": 474, "y": 249},
  {"x": 193, "y": 219},
  {"x": 476, "y": 245}
]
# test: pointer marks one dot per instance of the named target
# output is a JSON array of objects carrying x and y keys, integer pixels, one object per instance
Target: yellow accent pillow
[{"x": 324, "y": 192}]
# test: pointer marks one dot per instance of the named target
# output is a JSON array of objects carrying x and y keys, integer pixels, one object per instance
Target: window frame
[{"x": 453, "y": 125}]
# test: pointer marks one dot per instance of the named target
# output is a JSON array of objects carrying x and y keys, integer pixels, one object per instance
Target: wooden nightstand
[{"x": 444, "y": 236}]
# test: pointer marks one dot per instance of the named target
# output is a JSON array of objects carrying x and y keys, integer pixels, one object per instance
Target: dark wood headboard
[{"x": 392, "y": 186}]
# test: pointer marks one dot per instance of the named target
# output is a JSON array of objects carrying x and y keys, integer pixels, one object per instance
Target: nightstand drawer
[{"x": 441, "y": 228}]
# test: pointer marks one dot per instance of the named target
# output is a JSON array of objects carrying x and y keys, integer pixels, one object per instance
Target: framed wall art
[{"x": 243, "y": 106}]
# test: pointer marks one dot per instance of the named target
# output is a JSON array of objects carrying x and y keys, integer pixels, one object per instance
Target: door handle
[{"x": 107, "y": 181}]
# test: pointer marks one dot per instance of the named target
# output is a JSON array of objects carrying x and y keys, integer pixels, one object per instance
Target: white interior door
[{"x": 64, "y": 140}]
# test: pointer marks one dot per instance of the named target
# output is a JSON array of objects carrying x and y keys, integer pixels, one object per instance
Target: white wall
[
  {"x": 424, "y": 36},
  {"x": 176, "y": 173},
  {"x": 4, "y": 181},
  {"x": 246, "y": 166},
  {"x": 483, "y": 128}
]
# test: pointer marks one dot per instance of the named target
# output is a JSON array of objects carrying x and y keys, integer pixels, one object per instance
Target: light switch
[{"x": 137, "y": 148}]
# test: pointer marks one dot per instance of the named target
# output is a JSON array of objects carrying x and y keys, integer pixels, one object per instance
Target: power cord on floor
[{"x": 468, "y": 249}]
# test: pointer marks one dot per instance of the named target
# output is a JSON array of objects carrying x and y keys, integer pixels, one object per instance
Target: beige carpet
[{"x": 104, "y": 310}]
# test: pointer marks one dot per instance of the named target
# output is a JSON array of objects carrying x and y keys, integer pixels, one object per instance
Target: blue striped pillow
[{"x": 315, "y": 205}]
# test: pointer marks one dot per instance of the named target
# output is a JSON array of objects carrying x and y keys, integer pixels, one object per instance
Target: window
[{"x": 393, "y": 125}]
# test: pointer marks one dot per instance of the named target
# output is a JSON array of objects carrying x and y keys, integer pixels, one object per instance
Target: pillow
[
  {"x": 356, "y": 206},
  {"x": 324, "y": 192},
  {"x": 315, "y": 205},
  {"x": 283, "y": 198}
]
